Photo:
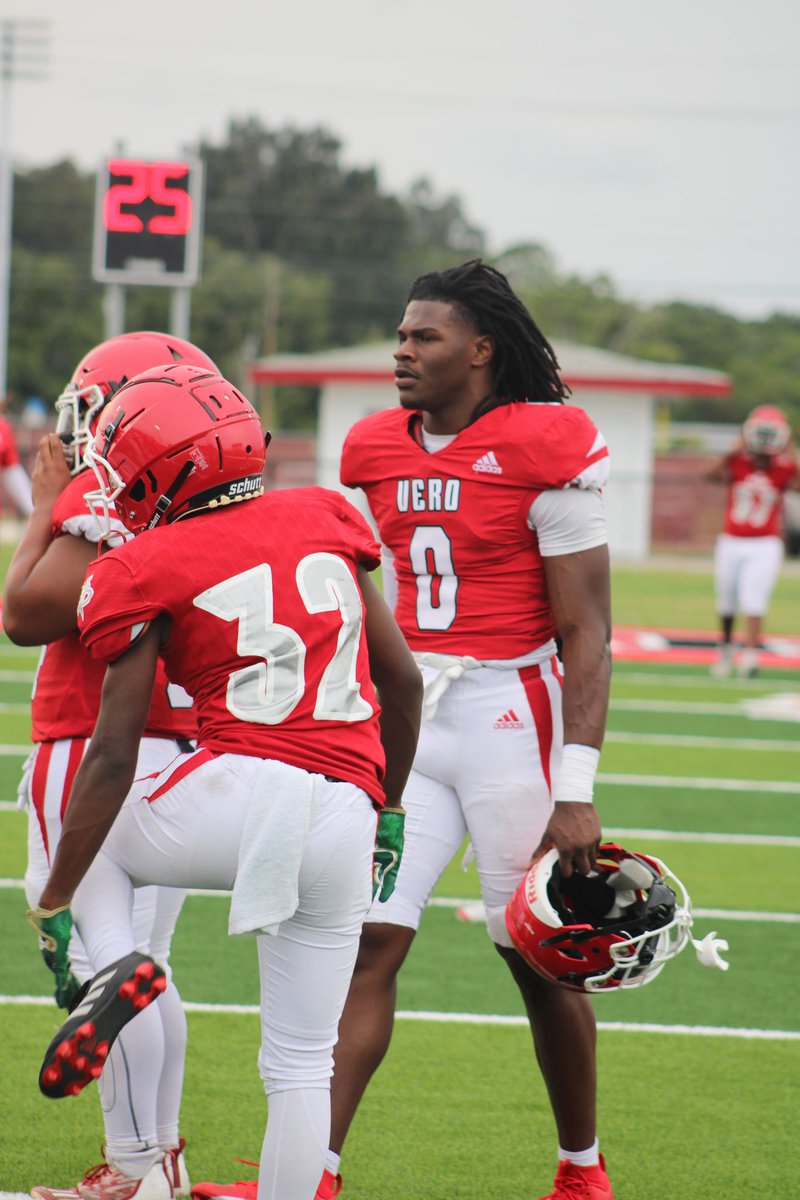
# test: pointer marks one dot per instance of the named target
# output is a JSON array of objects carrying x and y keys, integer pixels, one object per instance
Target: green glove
[
  {"x": 388, "y": 852},
  {"x": 54, "y": 927}
]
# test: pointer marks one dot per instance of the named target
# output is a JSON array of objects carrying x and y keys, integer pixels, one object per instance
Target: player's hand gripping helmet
[
  {"x": 174, "y": 441},
  {"x": 102, "y": 371},
  {"x": 613, "y": 928},
  {"x": 766, "y": 430}
]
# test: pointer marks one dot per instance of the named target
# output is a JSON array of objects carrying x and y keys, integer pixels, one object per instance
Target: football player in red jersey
[
  {"x": 15, "y": 482},
  {"x": 263, "y": 609},
  {"x": 142, "y": 1084},
  {"x": 486, "y": 491},
  {"x": 758, "y": 469}
]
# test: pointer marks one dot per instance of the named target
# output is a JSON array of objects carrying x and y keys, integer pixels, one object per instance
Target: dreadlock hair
[{"x": 524, "y": 363}]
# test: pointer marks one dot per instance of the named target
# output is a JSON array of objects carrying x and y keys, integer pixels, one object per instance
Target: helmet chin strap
[{"x": 164, "y": 501}]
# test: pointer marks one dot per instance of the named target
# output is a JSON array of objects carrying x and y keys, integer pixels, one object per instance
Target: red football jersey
[
  {"x": 66, "y": 694},
  {"x": 9, "y": 455},
  {"x": 266, "y": 627},
  {"x": 754, "y": 505},
  {"x": 470, "y": 578}
]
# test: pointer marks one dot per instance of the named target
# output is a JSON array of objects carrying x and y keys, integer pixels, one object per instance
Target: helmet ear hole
[{"x": 138, "y": 491}]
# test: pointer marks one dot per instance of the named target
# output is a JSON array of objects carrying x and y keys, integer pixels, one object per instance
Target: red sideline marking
[{"x": 692, "y": 646}]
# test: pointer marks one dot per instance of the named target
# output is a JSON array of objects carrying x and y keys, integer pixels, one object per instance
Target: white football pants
[
  {"x": 142, "y": 1081},
  {"x": 485, "y": 765},
  {"x": 745, "y": 572},
  {"x": 189, "y": 836}
]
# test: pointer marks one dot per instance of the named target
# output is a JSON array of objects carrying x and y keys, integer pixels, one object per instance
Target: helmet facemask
[
  {"x": 77, "y": 409},
  {"x": 109, "y": 484},
  {"x": 630, "y": 917},
  {"x": 766, "y": 431}
]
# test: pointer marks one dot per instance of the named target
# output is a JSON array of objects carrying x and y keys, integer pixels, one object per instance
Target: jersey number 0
[{"x": 431, "y": 556}]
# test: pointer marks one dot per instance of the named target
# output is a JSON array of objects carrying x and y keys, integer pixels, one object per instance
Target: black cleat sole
[{"x": 103, "y": 1008}]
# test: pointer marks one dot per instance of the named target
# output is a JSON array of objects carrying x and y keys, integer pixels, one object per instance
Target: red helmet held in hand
[{"x": 613, "y": 928}]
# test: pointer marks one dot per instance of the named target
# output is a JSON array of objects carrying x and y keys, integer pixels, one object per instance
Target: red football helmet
[
  {"x": 102, "y": 371},
  {"x": 766, "y": 430},
  {"x": 173, "y": 441},
  {"x": 613, "y": 928}
]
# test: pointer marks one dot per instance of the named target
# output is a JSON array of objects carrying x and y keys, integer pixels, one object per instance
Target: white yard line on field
[
  {"x": 650, "y": 678},
  {"x": 777, "y": 786},
  {"x": 676, "y": 706},
  {"x": 700, "y": 742},
  {"x": 457, "y": 1018},
  {"x": 720, "y": 839},
  {"x": 475, "y": 908},
  {"x": 721, "y": 914},
  {"x": 783, "y": 786}
]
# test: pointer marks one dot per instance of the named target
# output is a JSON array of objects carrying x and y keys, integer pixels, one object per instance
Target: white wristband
[{"x": 575, "y": 781}]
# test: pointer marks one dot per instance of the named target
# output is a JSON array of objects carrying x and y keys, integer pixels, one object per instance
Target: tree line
[{"x": 303, "y": 252}]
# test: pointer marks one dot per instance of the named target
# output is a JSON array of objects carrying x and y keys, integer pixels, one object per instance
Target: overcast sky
[{"x": 658, "y": 143}]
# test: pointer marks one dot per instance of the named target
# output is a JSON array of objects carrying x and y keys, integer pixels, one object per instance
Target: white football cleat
[
  {"x": 723, "y": 663},
  {"x": 175, "y": 1166},
  {"x": 105, "y": 1182},
  {"x": 747, "y": 665}
]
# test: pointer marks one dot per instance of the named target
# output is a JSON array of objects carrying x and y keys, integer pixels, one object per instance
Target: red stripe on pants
[
  {"x": 76, "y": 752},
  {"x": 197, "y": 760},
  {"x": 39, "y": 787},
  {"x": 539, "y": 701}
]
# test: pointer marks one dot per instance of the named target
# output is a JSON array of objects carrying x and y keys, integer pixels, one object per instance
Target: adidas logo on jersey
[
  {"x": 488, "y": 464},
  {"x": 509, "y": 720}
]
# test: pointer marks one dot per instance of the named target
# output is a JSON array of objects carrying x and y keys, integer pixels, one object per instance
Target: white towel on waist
[{"x": 265, "y": 891}]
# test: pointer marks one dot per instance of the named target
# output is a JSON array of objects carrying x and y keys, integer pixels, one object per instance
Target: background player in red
[
  {"x": 758, "y": 470},
  {"x": 142, "y": 1083},
  {"x": 485, "y": 488},
  {"x": 15, "y": 482},
  {"x": 265, "y": 613}
]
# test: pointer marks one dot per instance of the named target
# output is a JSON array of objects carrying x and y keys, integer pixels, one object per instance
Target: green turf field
[{"x": 698, "y": 1072}]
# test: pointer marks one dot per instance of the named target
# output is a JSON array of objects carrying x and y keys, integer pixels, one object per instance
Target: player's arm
[
  {"x": 580, "y": 599},
  {"x": 107, "y": 770},
  {"x": 720, "y": 471},
  {"x": 44, "y": 579},
  {"x": 398, "y": 682}
]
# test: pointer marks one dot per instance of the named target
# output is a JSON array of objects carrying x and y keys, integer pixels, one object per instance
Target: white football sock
[
  {"x": 582, "y": 1158},
  {"x": 332, "y": 1163},
  {"x": 170, "y": 1085},
  {"x": 128, "y": 1087},
  {"x": 293, "y": 1154}
]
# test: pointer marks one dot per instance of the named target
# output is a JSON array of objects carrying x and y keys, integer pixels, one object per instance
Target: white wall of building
[{"x": 627, "y": 421}]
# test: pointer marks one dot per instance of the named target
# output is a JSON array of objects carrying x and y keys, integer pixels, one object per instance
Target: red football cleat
[
  {"x": 247, "y": 1189},
  {"x": 581, "y": 1183}
]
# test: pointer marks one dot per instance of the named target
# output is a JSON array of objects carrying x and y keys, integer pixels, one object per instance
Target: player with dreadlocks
[
  {"x": 524, "y": 365},
  {"x": 485, "y": 489}
]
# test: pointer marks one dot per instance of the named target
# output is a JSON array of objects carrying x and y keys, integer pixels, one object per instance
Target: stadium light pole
[{"x": 22, "y": 43}]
